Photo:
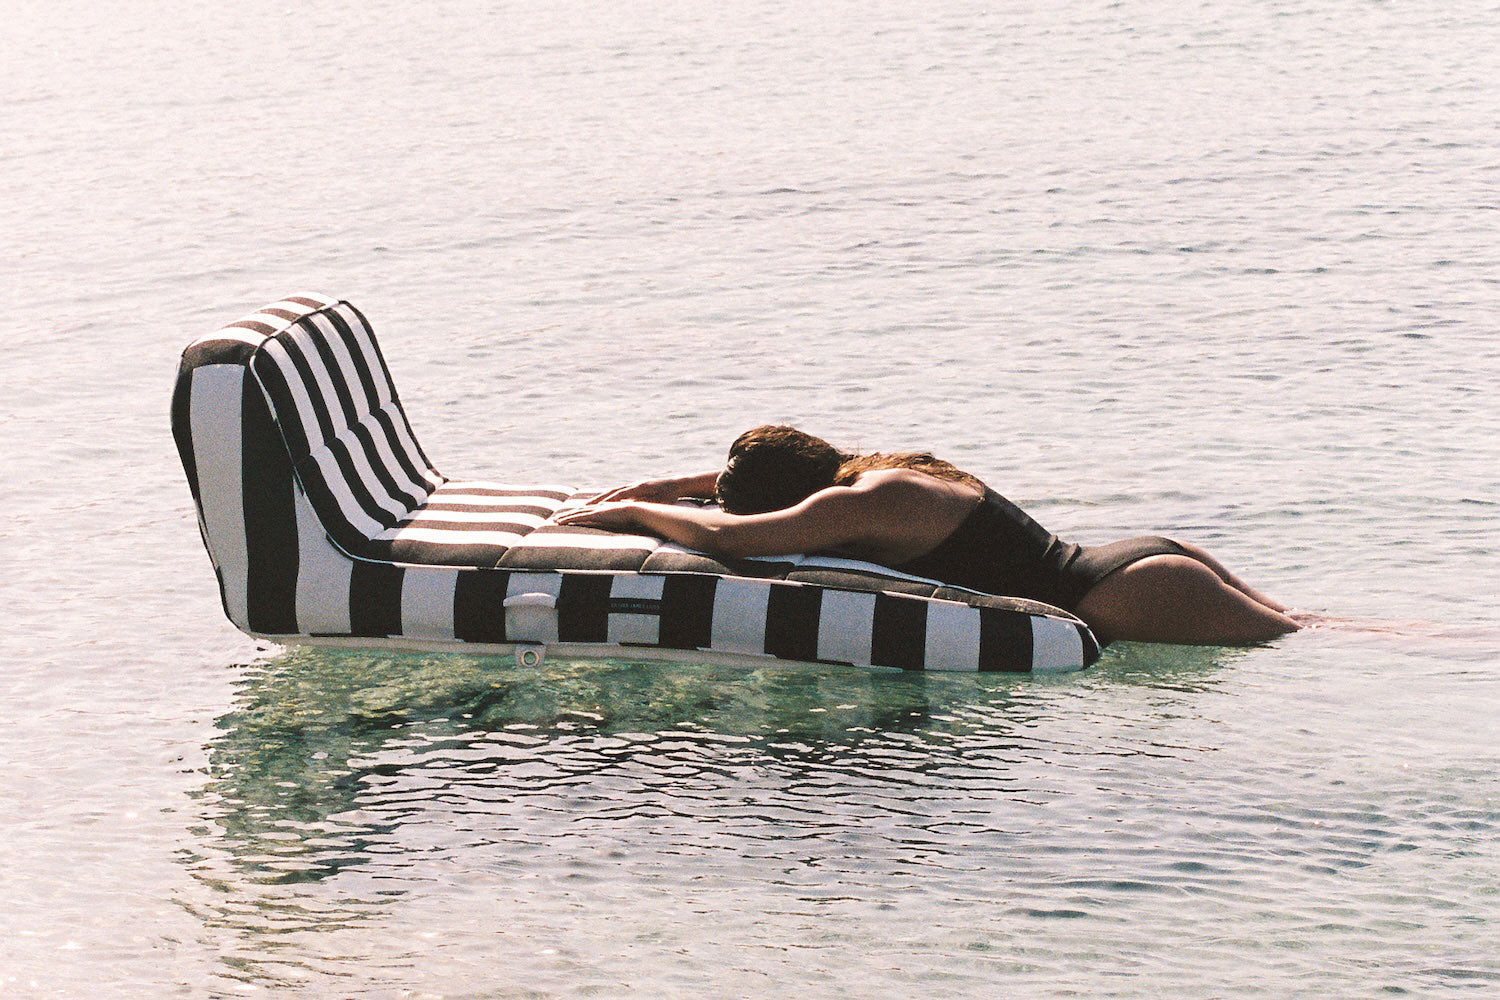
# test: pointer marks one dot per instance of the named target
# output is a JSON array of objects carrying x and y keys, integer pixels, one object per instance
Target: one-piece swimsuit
[{"x": 999, "y": 549}]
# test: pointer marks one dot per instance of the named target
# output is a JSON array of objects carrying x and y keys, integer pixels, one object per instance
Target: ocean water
[{"x": 1221, "y": 271}]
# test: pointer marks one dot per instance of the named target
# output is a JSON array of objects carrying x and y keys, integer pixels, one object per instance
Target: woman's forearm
[
  {"x": 831, "y": 518},
  {"x": 707, "y": 529},
  {"x": 699, "y": 484},
  {"x": 692, "y": 527}
]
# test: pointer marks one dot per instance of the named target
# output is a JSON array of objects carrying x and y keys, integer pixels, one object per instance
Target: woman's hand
[
  {"x": 688, "y": 526},
  {"x": 649, "y": 490},
  {"x": 610, "y": 516},
  {"x": 664, "y": 490}
]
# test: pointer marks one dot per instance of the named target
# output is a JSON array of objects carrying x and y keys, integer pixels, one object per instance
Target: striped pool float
[{"x": 327, "y": 524}]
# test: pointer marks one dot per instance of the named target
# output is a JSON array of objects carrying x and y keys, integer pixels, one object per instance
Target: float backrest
[{"x": 333, "y": 407}]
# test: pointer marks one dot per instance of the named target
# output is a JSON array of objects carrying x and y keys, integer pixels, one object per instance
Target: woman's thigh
[
  {"x": 1234, "y": 581},
  {"x": 1171, "y": 598}
]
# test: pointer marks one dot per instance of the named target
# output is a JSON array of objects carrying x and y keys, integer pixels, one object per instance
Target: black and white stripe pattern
[
  {"x": 324, "y": 519},
  {"x": 730, "y": 615}
]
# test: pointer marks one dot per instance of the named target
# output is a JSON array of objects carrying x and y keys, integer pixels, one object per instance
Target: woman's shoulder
[
  {"x": 911, "y": 481},
  {"x": 903, "y": 512}
]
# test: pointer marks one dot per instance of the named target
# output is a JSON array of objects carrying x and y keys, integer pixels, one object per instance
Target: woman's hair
[
  {"x": 921, "y": 461},
  {"x": 774, "y": 466}
]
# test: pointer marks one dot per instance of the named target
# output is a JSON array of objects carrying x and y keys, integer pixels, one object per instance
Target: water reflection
[
  {"x": 341, "y": 782},
  {"x": 313, "y": 733},
  {"x": 1184, "y": 669}
]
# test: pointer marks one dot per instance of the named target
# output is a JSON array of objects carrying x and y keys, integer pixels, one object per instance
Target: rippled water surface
[{"x": 1226, "y": 272}]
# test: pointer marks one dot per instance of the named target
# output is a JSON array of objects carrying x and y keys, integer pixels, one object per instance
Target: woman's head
[{"x": 774, "y": 467}]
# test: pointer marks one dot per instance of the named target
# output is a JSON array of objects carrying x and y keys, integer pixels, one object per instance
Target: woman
[{"x": 783, "y": 490}]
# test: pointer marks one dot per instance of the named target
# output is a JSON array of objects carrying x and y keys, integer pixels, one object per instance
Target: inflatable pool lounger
[{"x": 327, "y": 524}]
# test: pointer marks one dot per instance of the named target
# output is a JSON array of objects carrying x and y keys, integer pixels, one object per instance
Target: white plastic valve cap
[{"x": 531, "y": 618}]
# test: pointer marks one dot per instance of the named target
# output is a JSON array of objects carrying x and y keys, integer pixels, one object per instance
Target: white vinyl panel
[
  {"x": 845, "y": 621},
  {"x": 739, "y": 619},
  {"x": 475, "y": 517},
  {"x": 322, "y": 575},
  {"x": 306, "y": 410},
  {"x": 1055, "y": 645},
  {"x": 328, "y": 402},
  {"x": 443, "y": 536},
  {"x": 237, "y": 334},
  {"x": 629, "y": 627},
  {"x": 364, "y": 339},
  {"x": 431, "y": 479},
  {"x": 534, "y": 583},
  {"x": 952, "y": 637},
  {"x": 366, "y": 342},
  {"x": 460, "y": 485},
  {"x": 318, "y": 297},
  {"x": 350, "y": 375},
  {"x": 322, "y": 378},
  {"x": 215, "y": 420},
  {"x": 531, "y": 622},
  {"x": 345, "y": 362},
  {"x": 564, "y": 540},
  {"x": 444, "y": 495},
  {"x": 859, "y": 566},
  {"x": 343, "y": 496},
  {"x": 427, "y": 602},
  {"x": 369, "y": 478}
]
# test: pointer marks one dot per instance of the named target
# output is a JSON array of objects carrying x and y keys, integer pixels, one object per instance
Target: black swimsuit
[{"x": 999, "y": 549}]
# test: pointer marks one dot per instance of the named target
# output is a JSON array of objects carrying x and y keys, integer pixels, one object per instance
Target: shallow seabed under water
[{"x": 1223, "y": 272}]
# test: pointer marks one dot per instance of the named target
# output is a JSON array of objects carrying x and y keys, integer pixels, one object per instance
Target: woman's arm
[
  {"x": 867, "y": 516},
  {"x": 665, "y": 490}
]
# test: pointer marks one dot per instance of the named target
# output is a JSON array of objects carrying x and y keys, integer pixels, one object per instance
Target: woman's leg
[
  {"x": 1229, "y": 578},
  {"x": 1171, "y": 598}
]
